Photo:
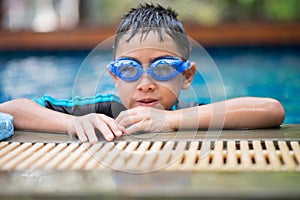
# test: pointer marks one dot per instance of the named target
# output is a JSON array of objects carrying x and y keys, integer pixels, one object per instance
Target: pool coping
[{"x": 285, "y": 132}]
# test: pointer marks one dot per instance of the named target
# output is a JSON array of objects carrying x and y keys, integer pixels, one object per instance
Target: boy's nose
[{"x": 146, "y": 83}]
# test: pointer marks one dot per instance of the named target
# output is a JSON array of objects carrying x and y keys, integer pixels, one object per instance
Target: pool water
[{"x": 245, "y": 71}]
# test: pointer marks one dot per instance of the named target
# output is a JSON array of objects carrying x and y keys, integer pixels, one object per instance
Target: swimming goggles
[{"x": 162, "y": 69}]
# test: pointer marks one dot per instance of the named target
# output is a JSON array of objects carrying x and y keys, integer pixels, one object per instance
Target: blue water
[{"x": 245, "y": 71}]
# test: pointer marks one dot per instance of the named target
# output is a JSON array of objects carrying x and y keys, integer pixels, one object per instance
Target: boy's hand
[
  {"x": 147, "y": 119},
  {"x": 84, "y": 127}
]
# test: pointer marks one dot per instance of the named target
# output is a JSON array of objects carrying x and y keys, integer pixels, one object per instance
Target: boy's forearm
[
  {"x": 238, "y": 113},
  {"x": 252, "y": 112},
  {"x": 28, "y": 115}
]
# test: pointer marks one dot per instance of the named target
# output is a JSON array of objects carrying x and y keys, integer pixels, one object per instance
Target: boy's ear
[
  {"x": 189, "y": 76},
  {"x": 114, "y": 77}
]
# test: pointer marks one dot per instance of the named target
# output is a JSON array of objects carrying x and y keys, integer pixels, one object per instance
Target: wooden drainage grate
[{"x": 142, "y": 156}]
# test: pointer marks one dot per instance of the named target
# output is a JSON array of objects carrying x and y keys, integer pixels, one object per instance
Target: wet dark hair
[{"x": 149, "y": 17}]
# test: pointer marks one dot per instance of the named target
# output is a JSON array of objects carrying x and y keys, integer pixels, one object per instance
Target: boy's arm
[
  {"x": 29, "y": 115},
  {"x": 238, "y": 113}
]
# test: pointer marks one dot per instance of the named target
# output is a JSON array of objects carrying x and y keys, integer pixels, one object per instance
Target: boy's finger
[
  {"x": 125, "y": 114},
  {"x": 113, "y": 126},
  {"x": 129, "y": 120},
  {"x": 90, "y": 132},
  {"x": 135, "y": 128},
  {"x": 104, "y": 129},
  {"x": 121, "y": 116},
  {"x": 79, "y": 131}
]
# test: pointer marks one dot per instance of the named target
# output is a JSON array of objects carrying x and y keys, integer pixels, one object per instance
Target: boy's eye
[
  {"x": 164, "y": 70},
  {"x": 127, "y": 70}
]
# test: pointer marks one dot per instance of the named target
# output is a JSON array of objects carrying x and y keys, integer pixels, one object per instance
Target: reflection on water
[
  {"x": 253, "y": 71},
  {"x": 34, "y": 77}
]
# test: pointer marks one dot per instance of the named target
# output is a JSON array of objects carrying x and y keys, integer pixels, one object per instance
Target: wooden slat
[
  {"x": 289, "y": 163},
  {"x": 3, "y": 144},
  {"x": 231, "y": 156},
  {"x": 246, "y": 162},
  {"x": 217, "y": 161},
  {"x": 204, "y": 156},
  {"x": 273, "y": 157},
  {"x": 260, "y": 160},
  {"x": 296, "y": 150}
]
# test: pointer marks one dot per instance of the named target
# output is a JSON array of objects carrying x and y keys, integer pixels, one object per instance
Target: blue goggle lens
[
  {"x": 127, "y": 71},
  {"x": 164, "y": 70}
]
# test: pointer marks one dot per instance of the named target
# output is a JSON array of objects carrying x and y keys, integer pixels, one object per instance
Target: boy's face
[{"x": 146, "y": 91}]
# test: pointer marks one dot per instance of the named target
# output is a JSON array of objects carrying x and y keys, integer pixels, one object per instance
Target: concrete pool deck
[{"x": 176, "y": 184}]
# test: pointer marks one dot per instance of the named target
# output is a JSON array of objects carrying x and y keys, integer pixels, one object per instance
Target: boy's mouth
[{"x": 147, "y": 102}]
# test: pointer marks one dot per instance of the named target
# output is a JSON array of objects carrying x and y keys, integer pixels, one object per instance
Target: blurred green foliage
[{"x": 208, "y": 12}]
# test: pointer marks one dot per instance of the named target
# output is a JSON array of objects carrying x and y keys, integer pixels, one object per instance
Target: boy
[{"x": 150, "y": 68}]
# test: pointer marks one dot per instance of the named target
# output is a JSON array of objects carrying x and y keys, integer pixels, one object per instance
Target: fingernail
[
  {"x": 119, "y": 133},
  {"x": 110, "y": 137}
]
